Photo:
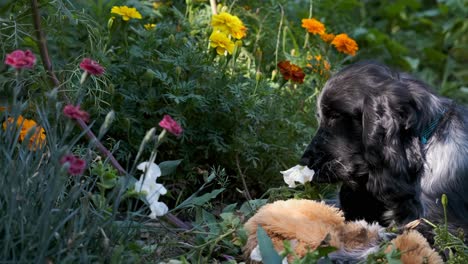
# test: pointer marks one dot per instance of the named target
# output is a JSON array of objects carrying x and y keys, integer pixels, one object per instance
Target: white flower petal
[
  {"x": 153, "y": 196},
  {"x": 308, "y": 173},
  {"x": 158, "y": 209},
  {"x": 255, "y": 254},
  {"x": 151, "y": 170},
  {"x": 297, "y": 173}
]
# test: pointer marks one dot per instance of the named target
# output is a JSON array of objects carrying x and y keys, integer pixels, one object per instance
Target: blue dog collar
[{"x": 427, "y": 132}]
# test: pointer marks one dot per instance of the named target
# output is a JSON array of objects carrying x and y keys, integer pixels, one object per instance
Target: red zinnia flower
[
  {"x": 19, "y": 59},
  {"x": 291, "y": 71},
  {"x": 77, "y": 165},
  {"x": 91, "y": 67},
  {"x": 171, "y": 125},
  {"x": 74, "y": 112}
]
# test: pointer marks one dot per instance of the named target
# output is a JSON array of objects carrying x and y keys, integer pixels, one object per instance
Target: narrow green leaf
[
  {"x": 268, "y": 252},
  {"x": 169, "y": 166}
]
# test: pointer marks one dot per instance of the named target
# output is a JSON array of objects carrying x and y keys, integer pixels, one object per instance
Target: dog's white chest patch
[{"x": 444, "y": 161}]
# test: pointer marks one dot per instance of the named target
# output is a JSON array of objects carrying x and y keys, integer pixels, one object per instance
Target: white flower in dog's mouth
[{"x": 297, "y": 173}]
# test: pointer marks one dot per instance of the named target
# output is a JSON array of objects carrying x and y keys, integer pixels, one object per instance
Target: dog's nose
[{"x": 304, "y": 161}]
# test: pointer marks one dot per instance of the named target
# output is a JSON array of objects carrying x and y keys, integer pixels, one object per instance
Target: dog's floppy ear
[
  {"x": 392, "y": 150},
  {"x": 388, "y": 119}
]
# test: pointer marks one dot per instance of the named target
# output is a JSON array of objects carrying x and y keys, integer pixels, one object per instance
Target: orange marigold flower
[
  {"x": 326, "y": 65},
  {"x": 327, "y": 37},
  {"x": 313, "y": 26},
  {"x": 318, "y": 57},
  {"x": 37, "y": 140},
  {"x": 345, "y": 44},
  {"x": 291, "y": 71}
]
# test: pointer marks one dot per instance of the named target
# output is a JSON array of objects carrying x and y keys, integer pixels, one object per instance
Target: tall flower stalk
[{"x": 42, "y": 44}]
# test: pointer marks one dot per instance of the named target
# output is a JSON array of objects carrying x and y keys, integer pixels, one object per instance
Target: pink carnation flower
[
  {"x": 92, "y": 67},
  {"x": 77, "y": 165},
  {"x": 74, "y": 112},
  {"x": 171, "y": 125},
  {"x": 19, "y": 59}
]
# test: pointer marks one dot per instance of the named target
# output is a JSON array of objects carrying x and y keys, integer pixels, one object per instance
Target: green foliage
[
  {"x": 451, "y": 244},
  {"x": 47, "y": 215},
  {"x": 238, "y": 114},
  {"x": 216, "y": 236},
  {"x": 381, "y": 256},
  {"x": 267, "y": 251}
]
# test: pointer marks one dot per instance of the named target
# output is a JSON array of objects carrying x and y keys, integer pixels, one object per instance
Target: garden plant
[{"x": 145, "y": 131}]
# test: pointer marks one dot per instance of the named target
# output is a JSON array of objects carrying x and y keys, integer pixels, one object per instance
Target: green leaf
[
  {"x": 268, "y": 252},
  {"x": 324, "y": 251},
  {"x": 230, "y": 208},
  {"x": 169, "y": 167},
  {"x": 199, "y": 200},
  {"x": 252, "y": 206}
]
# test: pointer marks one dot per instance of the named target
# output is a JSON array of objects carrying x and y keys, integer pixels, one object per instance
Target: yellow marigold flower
[
  {"x": 318, "y": 57},
  {"x": 345, "y": 44},
  {"x": 221, "y": 42},
  {"x": 229, "y": 24},
  {"x": 149, "y": 26},
  {"x": 36, "y": 140},
  {"x": 327, "y": 37},
  {"x": 313, "y": 26},
  {"x": 126, "y": 12}
]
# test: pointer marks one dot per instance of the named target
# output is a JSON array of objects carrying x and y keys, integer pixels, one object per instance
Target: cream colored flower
[
  {"x": 298, "y": 173},
  {"x": 147, "y": 184}
]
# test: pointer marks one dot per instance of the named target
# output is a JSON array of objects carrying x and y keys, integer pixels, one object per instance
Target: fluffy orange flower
[
  {"x": 36, "y": 140},
  {"x": 327, "y": 37},
  {"x": 313, "y": 26},
  {"x": 345, "y": 44},
  {"x": 291, "y": 71}
]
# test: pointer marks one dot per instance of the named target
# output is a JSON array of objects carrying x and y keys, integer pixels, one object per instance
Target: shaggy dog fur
[
  {"x": 394, "y": 144},
  {"x": 308, "y": 224}
]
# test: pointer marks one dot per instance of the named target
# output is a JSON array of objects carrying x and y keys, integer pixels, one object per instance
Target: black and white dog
[{"x": 394, "y": 144}]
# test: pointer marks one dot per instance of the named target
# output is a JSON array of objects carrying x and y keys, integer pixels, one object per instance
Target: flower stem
[
  {"x": 213, "y": 7},
  {"x": 42, "y": 43},
  {"x": 306, "y": 41}
]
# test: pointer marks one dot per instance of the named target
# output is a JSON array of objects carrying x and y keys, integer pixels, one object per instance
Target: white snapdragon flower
[
  {"x": 158, "y": 209},
  {"x": 297, "y": 173},
  {"x": 148, "y": 185}
]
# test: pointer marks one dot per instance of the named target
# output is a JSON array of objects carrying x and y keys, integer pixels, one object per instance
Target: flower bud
[
  {"x": 110, "y": 22},
  {"x": 273, "y": 74},
  {"x": 258, "y": 76},
  {"x": 444, "y": 200},
  {"x": 178, "y": 70},
  {"x": 224, "y": 8}
]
